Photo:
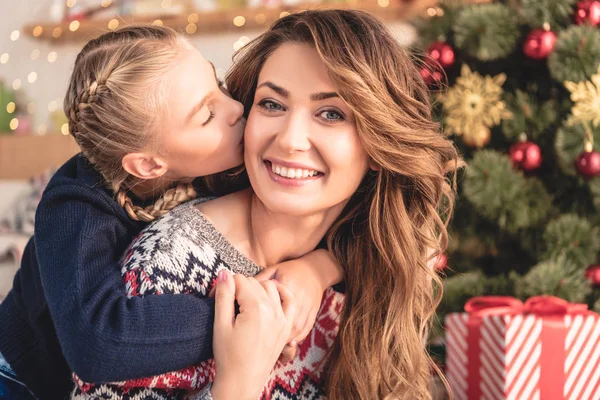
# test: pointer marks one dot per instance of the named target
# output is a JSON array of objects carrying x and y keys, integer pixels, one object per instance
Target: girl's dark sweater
[{"x": 68, "y": 309}]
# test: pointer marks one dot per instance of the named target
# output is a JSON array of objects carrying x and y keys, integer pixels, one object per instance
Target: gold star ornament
[
  {"x": 586, "y": 96},
  {"x": 474, "y": 105}
]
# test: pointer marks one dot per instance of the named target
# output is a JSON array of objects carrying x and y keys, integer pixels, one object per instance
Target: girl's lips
[{"x": 290, "y": 182}]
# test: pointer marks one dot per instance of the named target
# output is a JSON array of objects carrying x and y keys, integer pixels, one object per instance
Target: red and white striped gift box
[{"x": 544, "y": 349}]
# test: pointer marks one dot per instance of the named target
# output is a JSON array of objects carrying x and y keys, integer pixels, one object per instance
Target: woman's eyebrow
[
  {"x": 285, "y": 93},
  {"x": 277, "y": 89}
]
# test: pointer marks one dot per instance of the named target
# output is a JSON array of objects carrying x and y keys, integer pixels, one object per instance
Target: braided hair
[{"x": 113, "y": 104}]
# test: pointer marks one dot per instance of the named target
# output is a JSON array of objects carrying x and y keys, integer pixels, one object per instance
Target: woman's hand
[
  {"x": 307, "y": 278},
  {"x": 246, "y": 346}
]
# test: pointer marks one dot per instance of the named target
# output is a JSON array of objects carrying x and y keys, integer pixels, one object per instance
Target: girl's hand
[
  {"x": 307, "y": 278},
  {"x": 246, "y": 346}
]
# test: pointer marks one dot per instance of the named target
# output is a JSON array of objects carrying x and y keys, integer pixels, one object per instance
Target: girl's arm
[{"x": 80, "y": 238}]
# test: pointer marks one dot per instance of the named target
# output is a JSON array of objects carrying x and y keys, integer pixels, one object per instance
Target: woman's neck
[
  {"x": 267, "y": 238},
  {"x": 275, "y": 238}
]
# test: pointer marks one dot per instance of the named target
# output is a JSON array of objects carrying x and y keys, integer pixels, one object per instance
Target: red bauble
[
  {"x": 593, "y": 274},
  {"x": 588, "y": 12},
  {"x": 526, "y": 155},
  {"x": 441, "y": 262},
  {"x": 588, "y": 164},
  {"x": 431, "y": 74},
  {"x": 539, "y": 44},
  {"x": 442, "y": 53}
]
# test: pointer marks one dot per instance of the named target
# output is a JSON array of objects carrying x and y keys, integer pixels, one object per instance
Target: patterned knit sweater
[{"x": 183, "y": 253}]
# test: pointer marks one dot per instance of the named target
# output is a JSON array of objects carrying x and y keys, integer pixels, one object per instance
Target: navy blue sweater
[{"x": 68, "y": 310}]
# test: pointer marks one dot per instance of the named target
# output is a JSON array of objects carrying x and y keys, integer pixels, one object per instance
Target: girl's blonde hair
[
  {"x": 114, "y": 102},
  {"x": 383, "y": 236}
]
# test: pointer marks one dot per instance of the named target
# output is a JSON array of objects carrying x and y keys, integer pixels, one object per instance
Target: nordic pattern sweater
[{"x": 183, "y": 253}]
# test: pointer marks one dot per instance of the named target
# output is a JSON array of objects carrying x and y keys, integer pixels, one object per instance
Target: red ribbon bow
[{"x": 552, "y": 311}]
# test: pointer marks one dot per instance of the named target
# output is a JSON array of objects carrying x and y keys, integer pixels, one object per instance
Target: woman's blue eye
[
  {"x": 270, "y": 105},
  {"x": 331, "y": 115}
]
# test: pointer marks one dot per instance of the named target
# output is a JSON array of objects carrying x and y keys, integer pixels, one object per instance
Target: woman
[{"x": 339, "y": 143}]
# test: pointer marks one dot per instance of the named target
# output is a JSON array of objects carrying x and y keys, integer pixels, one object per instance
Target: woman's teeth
[{"x": 292, "y": 173}]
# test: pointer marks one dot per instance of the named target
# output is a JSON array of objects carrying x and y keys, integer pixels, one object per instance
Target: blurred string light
[
  {"x": 239, "y": 21},
  {"x": 32, "y": 77},
  {"x": 10, "y": 107},
  {"x": 74, "y": 25},
  {"x": 4, "y": 58},
  {"x": 64, "y": 129},
  {"x": 14, "y": 35},
  {"x": 383, "y": 3},
  {"x": 260, "y": 19},
  {"x": 52, "y": 106},
  {"x": 31, "y": 108},
  {"x": 191, "y": 28},
  {"x": 56, "y": 32},
  {"x": 52, "y": 56},
  {"x": 106, "y": 3},
  {"x": 37, "y": 31},
  {"x": 14, "y": 123},
  {"x": 113, "y": 24},
  {"x": 16, "y": 84},
  {"x": 35, "y": 54}
]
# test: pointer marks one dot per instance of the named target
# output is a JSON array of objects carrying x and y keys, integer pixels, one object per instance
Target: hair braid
[{"x": 170, "y": 199}]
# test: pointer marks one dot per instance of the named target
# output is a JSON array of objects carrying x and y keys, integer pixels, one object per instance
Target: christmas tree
[{"x": 517, "y": 84}]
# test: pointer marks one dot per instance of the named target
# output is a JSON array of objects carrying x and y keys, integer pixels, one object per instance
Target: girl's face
[
  {"x": 302, "y": 150},
  {"x": 203, "y": 129}
]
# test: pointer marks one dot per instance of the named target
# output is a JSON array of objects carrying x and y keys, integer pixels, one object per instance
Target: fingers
[
  {"x": 224, "y": 299},
  {"x": 288, "y": 303},
  {"x": 288, "y": 353},
  {"x": 266, "y": 274}
]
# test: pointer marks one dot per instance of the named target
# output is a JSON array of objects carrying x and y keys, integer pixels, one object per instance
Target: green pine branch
[
  {"x": 572, "y": 238},
  {"x": 555, "y": 12},
  {"x": 487, "y": 31},
  {"x": 502, "y": 194},
  {"x": 576, "y": 55}
]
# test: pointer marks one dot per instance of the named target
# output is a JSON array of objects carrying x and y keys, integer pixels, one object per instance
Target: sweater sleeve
[{"x": 106, "y": 336}]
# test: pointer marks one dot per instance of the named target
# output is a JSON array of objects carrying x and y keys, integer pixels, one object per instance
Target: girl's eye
[
  {"x": 331, "y": 116},
  {"x": 210, "y": 118},
  {"x": 270, "y": 105}
]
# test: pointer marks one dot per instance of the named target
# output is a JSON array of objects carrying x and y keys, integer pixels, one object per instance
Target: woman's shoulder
[{"x": 181, "y": 251}]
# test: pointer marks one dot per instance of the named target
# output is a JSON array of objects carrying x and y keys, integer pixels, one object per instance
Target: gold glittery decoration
[
  {"x": 473, "y": 105},
  {"x": 586, "y": 96}
]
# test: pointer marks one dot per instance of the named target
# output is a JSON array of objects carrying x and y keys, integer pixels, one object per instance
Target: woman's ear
[
  {"x": 373, "y": 166},
  {"x": 144, "y": 166}
]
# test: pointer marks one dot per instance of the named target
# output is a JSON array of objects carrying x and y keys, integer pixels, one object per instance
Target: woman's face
[
  {"x": 203, "y": 129},
  {"x": 302, "y": 150}
]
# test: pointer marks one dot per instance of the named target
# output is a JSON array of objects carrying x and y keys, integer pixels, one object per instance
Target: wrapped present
[{"x": 546, "y": 348}]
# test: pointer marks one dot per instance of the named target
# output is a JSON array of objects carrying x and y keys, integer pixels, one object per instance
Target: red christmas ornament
[
  {"x": 441, "y": 262},
  {"x": 593, "y": 274},
  {"x": 431, "y": 74},
  {"x": 588, "y": 164},
  {"x": 442, "y": 52},
  {"x": 588, "y": 12},
  {"x": 526, "y": 155},
  {"x": 539, "y": 44}
]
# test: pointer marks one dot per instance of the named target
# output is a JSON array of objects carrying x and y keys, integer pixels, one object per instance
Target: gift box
[{"x": 545, "y": 348}]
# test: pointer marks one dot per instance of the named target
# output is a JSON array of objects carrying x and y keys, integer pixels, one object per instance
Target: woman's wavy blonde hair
[
  {"x": 113, "y": 104},
  {"x": 397, "y": 220}
]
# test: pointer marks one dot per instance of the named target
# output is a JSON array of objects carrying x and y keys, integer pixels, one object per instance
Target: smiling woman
[{"x": 299, "y": 125}]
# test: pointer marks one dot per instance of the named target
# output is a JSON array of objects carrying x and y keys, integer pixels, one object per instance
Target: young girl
[
  {"x": 149, "y": 115},
  {"x": 339, "y": 143}
]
